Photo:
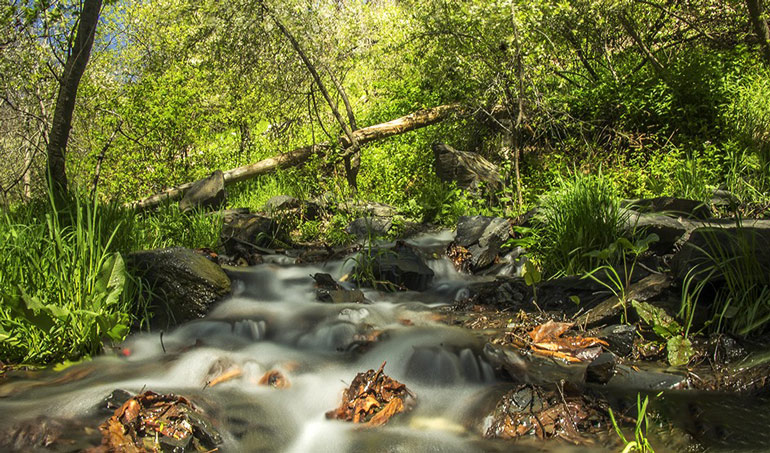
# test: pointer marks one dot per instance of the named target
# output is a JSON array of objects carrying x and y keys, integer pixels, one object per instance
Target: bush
[
  {"x": 582, "y": 214},
  {"x": 62, "y": 283}
]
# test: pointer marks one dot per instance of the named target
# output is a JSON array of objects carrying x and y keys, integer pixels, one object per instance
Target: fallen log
[
  {"x": 415, "y": 120},
  {"x": 285, "y": 160}
]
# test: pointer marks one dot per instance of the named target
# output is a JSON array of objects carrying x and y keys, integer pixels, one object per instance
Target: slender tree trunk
[
  {"x": 74, "y": 68},
  {"x": 519, "y": 65},
  {"x": 631, "y": 30},
  {"x": 761, "y": 29},
  {"x": 245, "y": 145},
  {"x": 100, "y": 160},
  {"x": 353, "y": 160},
  {"x": 317, "y": 78}
]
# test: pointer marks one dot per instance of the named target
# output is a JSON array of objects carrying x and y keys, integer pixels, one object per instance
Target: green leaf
[
  {"x": 32, "y": 310},
  {"x": 661, "y": 322},
  {"x": 532, "y": 275},
  {"x": 680, "y": 350},
  {"x": 575, "y": 299},
  {"x": 110, "y": 282}
]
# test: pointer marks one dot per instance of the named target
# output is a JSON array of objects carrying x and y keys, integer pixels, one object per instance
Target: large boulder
[
  {"x": 183, "y": 284},
  {"x": 402, "y": 266},
  {"x": 288, "y": 205},
  {"x": 208, "y": 193},
  {"x": 746, "y": 248},
  {"x": 483, "y": 237},
  {"x": 671, "y": 206},
  {"x": 246, "y": 234},
  {"x": 467, "y": 169},
  {"x": 369, "y": 227},
  {"x": 670, "y": 231}
]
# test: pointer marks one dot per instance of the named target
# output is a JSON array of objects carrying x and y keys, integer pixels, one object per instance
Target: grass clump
[
  {"x": 729, "y": 264},
  {"x": 581, "y": 214},
  {"x": 62, "y": 282}
]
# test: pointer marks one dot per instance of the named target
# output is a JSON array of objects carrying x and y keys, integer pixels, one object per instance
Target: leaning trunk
[
  {"x": 406, "y": 123},
  {"x": 74, "y": 68},
  {"x": 761, "y": 29}
]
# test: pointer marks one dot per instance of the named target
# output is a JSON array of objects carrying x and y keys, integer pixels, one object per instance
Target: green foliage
[
  {"x": 678, "y": 345},
  {"x": 63, "y": 285},
  {"x": 583, "y": 214},
  {"x": 640, "y": 444},
  {"x": 613, "y": 280},
  {"x": 742, "y": 301}
]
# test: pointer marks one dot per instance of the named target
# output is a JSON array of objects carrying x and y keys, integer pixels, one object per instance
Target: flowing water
[{"x": 273, "y": 322}]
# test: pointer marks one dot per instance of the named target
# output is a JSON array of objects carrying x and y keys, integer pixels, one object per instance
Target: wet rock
[
  {"x": 482, "y": 236},
  {"x": 288, "y": 205},
  {"x": 725, "y": 243},
  {"x": 282, "y": 203},
  {"x": 670, "y": 231},
  {"x": 465, "y": 168},
  {"x": 114, "y": 400},
  {"x": 40, "y": 434},
  {"x": 207, "y": 193},
  {"x": 508, "y": 292},
  {"x": 725, "y": 349},
  {"x": 608, "y": 311},
  {"x": 244, "y": 235},
  {"x": 620, "y": 338},
  {"x": 640, "y": 377},
  {"x": 524, "y": 367},
  {"x": 328, "y": 290},
  {"x": 403, "y": 266},
  {"x": 546, "y": 414},
  {"x": 724, "y": 199},
  {"x": 185, "y": 283},
  {"x": 671, "y": 206},
  {"x": 601, "y": 370},
  {"x": 369, "y": 227}
]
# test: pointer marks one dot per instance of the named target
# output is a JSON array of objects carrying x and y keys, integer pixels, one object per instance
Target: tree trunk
[
  {"x": 353, "y": 143},
  {"x": 74, "y": 68},
  {"x": 406, "y": 123},
  {"x": 416, "y": 120},
  {"x": 657, "y": 66},
  {"x": 761, "y": 29}
]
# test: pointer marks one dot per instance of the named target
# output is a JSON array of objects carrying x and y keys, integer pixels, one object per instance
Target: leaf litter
[
  {"x": 372, "y": 399},
  {"x": 531, "y": 410},
  {"x": 152, "y": 422},
  {"x": 547, "y": 340}
]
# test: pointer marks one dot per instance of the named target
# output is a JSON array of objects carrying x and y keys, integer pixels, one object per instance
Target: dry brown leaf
[
  {"x": 395, "y": 406},
  {"x": 372, "y": 398},
  {"x": 228, "y": 375},
  {"x": 275, "y": 379},
  {"x": 549, "y": 330},
  {"x": 547, "y": 340}
]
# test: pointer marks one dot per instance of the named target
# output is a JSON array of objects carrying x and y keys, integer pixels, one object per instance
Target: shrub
[
  {"x": 61, "y": 282},
  {"x": 581, "y": 215}
]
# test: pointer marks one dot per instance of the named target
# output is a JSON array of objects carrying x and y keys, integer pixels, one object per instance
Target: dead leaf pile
[
  {"x": 460, "y": 257},
  {"x": 547, "y": 340},
  {"x": 151, "y": 422},
  {"x": 372, "y": 399},
  {"x": 532, "y": 411}
]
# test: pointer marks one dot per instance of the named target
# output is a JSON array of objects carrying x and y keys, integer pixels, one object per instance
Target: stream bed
[{"x": 273, "y": 322}]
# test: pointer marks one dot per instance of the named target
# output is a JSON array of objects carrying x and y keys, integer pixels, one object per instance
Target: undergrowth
[
  {"x": 63, "y": 284},
  {"x": 582, "y": 214}
]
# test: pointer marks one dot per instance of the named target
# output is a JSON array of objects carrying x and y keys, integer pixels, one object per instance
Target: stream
[{"x": 273, "y": 321}]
